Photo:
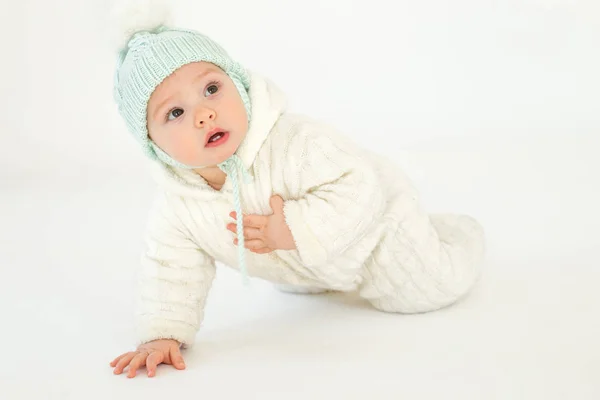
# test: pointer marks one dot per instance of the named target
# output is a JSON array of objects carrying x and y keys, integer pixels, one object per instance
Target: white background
[{"x": 491, "y": 106}]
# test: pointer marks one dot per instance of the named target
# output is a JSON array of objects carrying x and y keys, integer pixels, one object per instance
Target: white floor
[{"x": 529, "y": 331}]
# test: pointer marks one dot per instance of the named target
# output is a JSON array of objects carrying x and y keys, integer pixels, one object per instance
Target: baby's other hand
[
  {"x": 150, "y": 354},
  {"x": 263, "y": 234}
]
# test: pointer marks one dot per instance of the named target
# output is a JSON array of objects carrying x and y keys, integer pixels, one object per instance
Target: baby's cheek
[
  {"x": 185, "y": 149},
  {"x": 188, "y": 148}
]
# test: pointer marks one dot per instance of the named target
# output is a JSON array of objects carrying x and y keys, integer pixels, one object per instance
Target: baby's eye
[
  {"x": 174, "y": 114},
  {"x": 211, "y": 89}
]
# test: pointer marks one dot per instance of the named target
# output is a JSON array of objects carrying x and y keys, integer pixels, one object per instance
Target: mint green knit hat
[{"x": 150, "y": 56}]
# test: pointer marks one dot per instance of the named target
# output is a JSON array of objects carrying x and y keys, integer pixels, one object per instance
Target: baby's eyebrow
[
  {"x": 202, "y": 75},
  {"x": 161, "y": 105}
]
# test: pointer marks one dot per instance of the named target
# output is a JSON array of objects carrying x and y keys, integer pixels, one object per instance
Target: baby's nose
[{"x": 204, "y": 115}]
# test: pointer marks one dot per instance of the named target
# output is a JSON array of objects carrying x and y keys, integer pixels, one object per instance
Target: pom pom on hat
[{"x": 131, "y": 16}]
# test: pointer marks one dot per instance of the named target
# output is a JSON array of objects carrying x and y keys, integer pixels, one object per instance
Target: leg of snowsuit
[{"x": 424, "y": 262}]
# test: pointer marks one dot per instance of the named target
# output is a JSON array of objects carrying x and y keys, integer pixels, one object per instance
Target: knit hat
[{"x": 150, "y": 51}]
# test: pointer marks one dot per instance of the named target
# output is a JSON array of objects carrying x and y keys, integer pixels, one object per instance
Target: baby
[{"x": 277, "y": 195}]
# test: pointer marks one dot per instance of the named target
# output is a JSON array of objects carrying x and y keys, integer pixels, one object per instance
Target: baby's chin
[{"x": 213, "y": 159}]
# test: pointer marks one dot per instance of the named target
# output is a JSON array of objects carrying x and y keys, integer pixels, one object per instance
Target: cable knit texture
[{"x": 355, "y": 217}]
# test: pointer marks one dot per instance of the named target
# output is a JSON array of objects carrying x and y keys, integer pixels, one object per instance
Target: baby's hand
[
  {"x": 263, "y": 234},
  {"x": 150, "y": 354}
]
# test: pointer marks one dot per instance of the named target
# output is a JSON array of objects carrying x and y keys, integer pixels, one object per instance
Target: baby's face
[{"x": 197, "y": 116}]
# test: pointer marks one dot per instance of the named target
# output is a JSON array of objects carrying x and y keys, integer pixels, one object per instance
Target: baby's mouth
[{"x": 216, "y": 137}]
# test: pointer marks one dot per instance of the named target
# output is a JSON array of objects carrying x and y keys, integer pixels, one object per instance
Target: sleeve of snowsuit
[
  {"x": 174, "y": 280},
  {"x": 342, "y": 199}
]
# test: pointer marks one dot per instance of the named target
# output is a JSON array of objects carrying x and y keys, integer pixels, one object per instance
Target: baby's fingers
[
  {"x": 122, "y": 361},
  {"x": 114, "y": 362},
  {"x": 253, "y": 220},
  {"x": 176, "y": 358},
  {"x": 253, "y": 244},
  {"x": 138, "y": 361},
  {"x": 155, "y": 358}
]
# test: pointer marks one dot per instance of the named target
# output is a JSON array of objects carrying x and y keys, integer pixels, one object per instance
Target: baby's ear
[{"x": 128, "y": 17}]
